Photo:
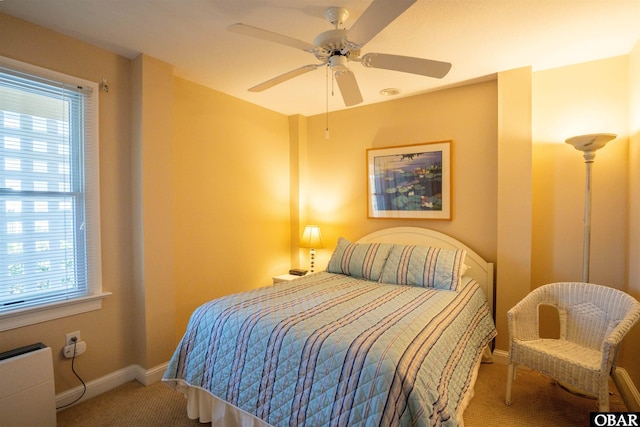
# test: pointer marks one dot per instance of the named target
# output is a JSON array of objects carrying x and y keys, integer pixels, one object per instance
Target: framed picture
[{"x": 410, "y": 181}]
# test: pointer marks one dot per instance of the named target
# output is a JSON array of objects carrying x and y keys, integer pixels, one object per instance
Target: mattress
[{"x": 331, "y": 350}]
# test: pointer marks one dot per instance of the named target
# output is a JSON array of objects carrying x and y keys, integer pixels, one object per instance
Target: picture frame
[{"x": 410, "y": 181}]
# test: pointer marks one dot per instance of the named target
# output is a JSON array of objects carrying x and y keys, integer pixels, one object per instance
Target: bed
[{"x": 392, "y": 333}]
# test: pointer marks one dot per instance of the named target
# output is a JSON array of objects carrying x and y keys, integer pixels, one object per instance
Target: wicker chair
[{"x": 593, "y": 321}]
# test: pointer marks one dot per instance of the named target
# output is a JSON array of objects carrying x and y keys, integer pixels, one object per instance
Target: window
[{"x": 49, "y": 196}]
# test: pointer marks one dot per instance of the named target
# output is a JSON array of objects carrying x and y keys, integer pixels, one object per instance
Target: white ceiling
[{"x": 479, "y": 37}]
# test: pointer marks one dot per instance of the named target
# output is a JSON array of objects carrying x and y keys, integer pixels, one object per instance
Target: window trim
[
  {"x": 56, "y": 310},
  {"x": 93, "y": 299}
]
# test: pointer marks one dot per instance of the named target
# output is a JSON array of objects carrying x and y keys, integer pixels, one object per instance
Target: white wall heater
[{"x": 27, "y": 393}]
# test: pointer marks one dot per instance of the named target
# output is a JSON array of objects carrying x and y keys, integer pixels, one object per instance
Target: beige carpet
[
  {"x": 536, "y": 402},
  {"x": 130, "y": 405}
]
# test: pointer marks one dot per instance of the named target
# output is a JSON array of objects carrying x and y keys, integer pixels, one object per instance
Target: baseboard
[
  {"x": 111, "y": 381},
  {"x": 501, "y": 357},
  {"x": 150, "y": 376},
  {"x": 627, "y": 389},
  {"x": 623, "y": 381}
]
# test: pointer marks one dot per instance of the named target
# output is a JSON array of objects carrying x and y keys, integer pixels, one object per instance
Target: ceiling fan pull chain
[
  {"x": 326, "y": 129},
  {"x": 333, "y": 83}
]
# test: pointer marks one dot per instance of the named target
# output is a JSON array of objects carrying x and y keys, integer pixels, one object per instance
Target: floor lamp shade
[
  {"x": 312, "y": 239},
  {"x": 588, "y": 144}
]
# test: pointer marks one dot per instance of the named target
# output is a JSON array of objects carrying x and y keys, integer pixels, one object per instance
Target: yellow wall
[
  {"x": 570, "y": 101},
  {"x": 231, "y": 210},
  {"x": 151, "y": 141},
  {"x": 336, "y": 178},
  {"x": 298, "y": 176},
  {"x": 514, "y": 195}
]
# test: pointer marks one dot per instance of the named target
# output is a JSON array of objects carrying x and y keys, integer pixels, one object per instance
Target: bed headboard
[{"x": 480, "y": 270}]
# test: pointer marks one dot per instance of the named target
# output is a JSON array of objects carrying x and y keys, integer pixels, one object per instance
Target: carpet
[{"x": 536, "y": 401}]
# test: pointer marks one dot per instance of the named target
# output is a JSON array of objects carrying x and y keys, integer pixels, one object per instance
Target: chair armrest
[
  {"x": 612, "y": 341},
  {"x": 522, "y": 319}
]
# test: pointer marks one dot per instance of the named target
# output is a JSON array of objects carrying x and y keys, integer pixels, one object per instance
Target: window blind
[{"x": 49, "y": 201}]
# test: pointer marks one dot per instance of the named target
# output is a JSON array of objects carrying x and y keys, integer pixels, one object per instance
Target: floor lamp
[{"x": 588, "y": 144}]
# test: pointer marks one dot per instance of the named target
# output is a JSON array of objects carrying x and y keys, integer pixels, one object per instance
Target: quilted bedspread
[{"x": 331, "y": 350}]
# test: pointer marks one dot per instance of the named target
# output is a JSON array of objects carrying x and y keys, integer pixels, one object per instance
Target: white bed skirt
[
  {"x": 205, "y": 407},
  {"x": 486, "y": 357}
]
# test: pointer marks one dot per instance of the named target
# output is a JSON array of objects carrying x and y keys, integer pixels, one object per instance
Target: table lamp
[{"x": 312, "y": 239}]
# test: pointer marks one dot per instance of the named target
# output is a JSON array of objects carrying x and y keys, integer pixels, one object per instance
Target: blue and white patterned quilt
[{"x": 331, "y": 350}]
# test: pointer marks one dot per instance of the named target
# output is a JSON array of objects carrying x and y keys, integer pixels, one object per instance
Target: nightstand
[{"x": 285, "y": 278}]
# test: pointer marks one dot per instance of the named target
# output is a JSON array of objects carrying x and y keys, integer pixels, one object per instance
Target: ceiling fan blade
[
  {"x": 259, "y": 33},
  {"x": 284, "y": 77},
  {"x": 378, "y": 15},
  {"x": 348, "y": 87},
  {"x": 407, "y": 64}
]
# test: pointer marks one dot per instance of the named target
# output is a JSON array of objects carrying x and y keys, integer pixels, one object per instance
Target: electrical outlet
[
  {"x": 70, "y": 338},
  {"x": 80, "y": 347}
]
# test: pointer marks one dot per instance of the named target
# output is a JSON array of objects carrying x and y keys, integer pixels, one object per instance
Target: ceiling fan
[{"x": 334, "y": 48}]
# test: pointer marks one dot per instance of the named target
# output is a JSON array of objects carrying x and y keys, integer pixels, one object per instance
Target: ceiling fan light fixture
[
  {"x": 338, "y": 62},
  {"x": 390, "y": 91}
]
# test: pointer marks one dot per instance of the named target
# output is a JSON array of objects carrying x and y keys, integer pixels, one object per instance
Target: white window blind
[{"x": 49, "y": 190}]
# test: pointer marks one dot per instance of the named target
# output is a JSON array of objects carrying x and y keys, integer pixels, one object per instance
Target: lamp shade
[
  {"x": 590, "y": 142},
  {"x": 311, "y": 237}
]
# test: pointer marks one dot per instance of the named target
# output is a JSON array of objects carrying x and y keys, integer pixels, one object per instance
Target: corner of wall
[
  {"x": 152, "y": 100},
  {"x": 513, "y": 279},
  {"x": 298, "y": 169}
]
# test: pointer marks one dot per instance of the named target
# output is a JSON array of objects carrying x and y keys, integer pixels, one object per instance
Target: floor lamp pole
[
  {"x": 588, "y": 144},
  {"x": 589, "y": 158}
]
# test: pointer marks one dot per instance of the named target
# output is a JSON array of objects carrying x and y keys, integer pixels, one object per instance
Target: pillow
[
  {"x": 464, "y": 269},
  {"x": 424, "y": 266},
  {"x": 360, "y": 260}
]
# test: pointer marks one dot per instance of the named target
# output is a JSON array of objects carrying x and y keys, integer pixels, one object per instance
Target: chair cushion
[{"x": 565, "y": 361}]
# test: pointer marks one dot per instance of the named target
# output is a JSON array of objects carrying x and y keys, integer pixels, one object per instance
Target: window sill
[{"x": 57, "y": 310}]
